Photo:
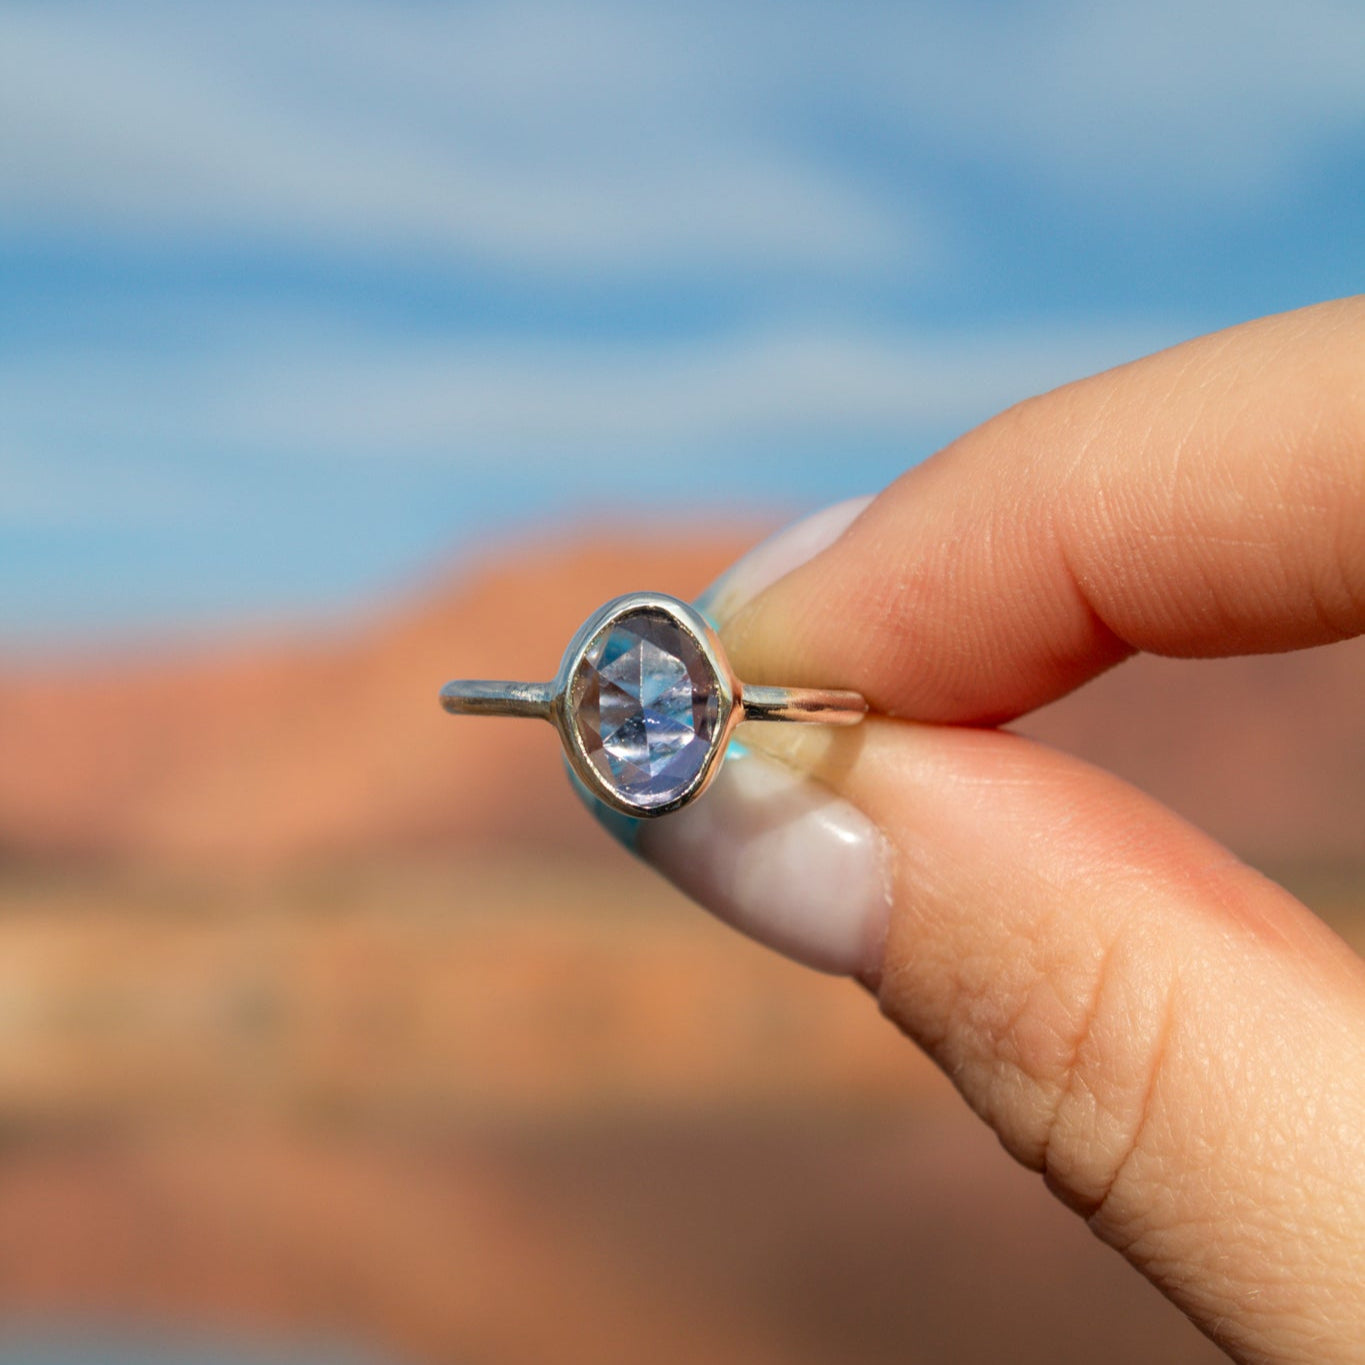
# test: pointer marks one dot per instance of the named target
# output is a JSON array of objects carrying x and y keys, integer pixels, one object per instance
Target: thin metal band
[
  {"x": 823, "y": 706},
  {"x": 470, "y": 698}
]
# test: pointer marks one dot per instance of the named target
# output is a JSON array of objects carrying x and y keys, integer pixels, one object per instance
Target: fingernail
[
  {"x": 777, "y": 556},
  {"x": 781, "y": 857},
  {"x": 777, "y": 855},
  {"x": 624, "y": 829}
]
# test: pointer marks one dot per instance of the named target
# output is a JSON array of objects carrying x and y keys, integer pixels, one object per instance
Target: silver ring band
[{"x": 645, "y": 702}]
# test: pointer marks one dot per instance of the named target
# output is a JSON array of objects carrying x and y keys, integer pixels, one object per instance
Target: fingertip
[{"x": 783, "y": 859}]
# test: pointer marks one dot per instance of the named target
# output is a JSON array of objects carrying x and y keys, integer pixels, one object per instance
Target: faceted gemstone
[{"x": 646, "y": 706}]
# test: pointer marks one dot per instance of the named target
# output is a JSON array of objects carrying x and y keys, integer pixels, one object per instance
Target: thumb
[{"x": 1172, "y": 1040}]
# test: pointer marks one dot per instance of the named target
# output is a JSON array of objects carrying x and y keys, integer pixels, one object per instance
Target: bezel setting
[{"x": 726, "y": 688}]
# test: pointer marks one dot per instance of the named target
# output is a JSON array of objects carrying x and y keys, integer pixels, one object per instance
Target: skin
[{"x": 1172, "y": 1040}]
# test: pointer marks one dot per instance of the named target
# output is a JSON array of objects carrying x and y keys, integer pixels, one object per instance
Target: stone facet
[{"x": 646, "y": 706}]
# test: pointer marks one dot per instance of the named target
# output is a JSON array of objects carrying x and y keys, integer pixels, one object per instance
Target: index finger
[{"x": 1207, "y": 500}]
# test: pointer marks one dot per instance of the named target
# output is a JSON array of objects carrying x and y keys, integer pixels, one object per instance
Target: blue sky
[{"x": 298, "y": 301}]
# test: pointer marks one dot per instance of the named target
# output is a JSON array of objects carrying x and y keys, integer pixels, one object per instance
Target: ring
[{"x": 645, "y": 703}]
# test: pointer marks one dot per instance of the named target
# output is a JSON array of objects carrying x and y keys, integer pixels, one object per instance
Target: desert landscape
[{"x": 327, "y": 1019}]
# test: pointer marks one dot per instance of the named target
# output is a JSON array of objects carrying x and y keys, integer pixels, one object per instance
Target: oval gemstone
[{"x": 646, "y": 706}]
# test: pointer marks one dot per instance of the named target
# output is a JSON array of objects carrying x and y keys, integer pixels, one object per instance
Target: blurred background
[{"x": 348, "y": 348}]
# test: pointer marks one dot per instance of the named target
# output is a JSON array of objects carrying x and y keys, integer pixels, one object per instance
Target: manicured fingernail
[
  {"x": 623, "y": 828},
  {"x": 783, "y": 859},
  {"x": 778, "y": 855},
  {"x": 771, "y": 559}
]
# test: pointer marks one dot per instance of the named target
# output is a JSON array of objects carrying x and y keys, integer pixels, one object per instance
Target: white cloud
[
  {"x": 520, "y": 139},
  {"x": 607, "y": 137},
  {"x": 315, "y": 396},
  {"x": 1186, "y": 102},
  {"x": 41, "y": 493},
  {"x": 774, "y": 387}
]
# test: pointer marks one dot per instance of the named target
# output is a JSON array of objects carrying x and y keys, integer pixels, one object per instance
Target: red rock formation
[{"x": 301, "y": 750}]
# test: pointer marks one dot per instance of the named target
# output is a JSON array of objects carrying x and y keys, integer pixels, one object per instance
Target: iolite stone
[{"x": 646, "y": 707}]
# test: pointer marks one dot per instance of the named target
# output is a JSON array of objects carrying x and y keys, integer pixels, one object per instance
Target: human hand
[{"x": 1172, "y": 1040}]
